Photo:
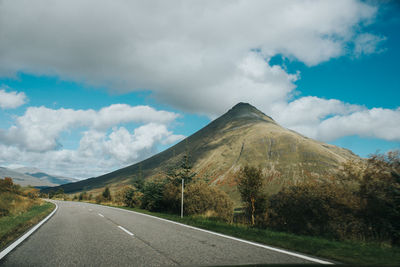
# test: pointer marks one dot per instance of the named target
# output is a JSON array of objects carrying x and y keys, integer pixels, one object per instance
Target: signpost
[{"x": 183, "y": 181}]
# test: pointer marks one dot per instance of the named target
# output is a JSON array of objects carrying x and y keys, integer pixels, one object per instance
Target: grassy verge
[
  {"x": 349, "y": 252},
  {"x": 13, "y": 226}
]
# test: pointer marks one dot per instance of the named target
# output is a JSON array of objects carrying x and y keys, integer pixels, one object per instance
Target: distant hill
[
  {"x": 31, "y": 176},
  {"x": 243, "y": 135}
]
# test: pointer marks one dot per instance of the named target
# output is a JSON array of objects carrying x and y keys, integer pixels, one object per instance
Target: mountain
[
  {"x": 31, "y": 176},
  {"x": 243, "y": 135},
  {"x": 27, "y": 170}
]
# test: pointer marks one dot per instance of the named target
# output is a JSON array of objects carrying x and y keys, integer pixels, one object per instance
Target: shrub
[
  {"x": 363, "y": 202},
  {"x": 129, "y": 196},
  {"x": 153, "y": 195},
  {"x": 7, "y": 185},
  {"x": 32, "y": 193},
  {"x": 203, "y": 199},
  {"x": 172, "y": 197},
  {"x": 83, "y": 196},
  {"x": 314, "y": 208},
  {"x": 380, "y": 197},
  {"x": 99, "y": 199},
  {"x": 107, "y": 194}
]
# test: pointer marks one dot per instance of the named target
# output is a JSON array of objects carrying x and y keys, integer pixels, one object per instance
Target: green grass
[
  {"x": 349, "y": 252},
  {"x": 13, "y": 226}
]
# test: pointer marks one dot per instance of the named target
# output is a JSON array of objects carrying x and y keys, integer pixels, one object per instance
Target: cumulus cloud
[
  {"x": 327, "y": 120},
  {"x": 177, "y": 49},
  {"x": 104, "y": 144},
  {"x": 376, "y": 122},
  {"x": 11, "y": 99},
  {"x": 39, "y": 128}
]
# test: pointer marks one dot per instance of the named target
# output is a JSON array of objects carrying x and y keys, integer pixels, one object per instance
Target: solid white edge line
[
  {"x": 229, "y": 237},
  {"x": 27, "y": 234},
  {"x": 126, "y": 231},
  {"x": 101, "y": 215}
]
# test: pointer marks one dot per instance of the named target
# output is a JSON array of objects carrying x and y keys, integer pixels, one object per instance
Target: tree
[
  {"x": 380, "y": 195},
  {"x": 138, "y": 181},
  {"x": 173, "y": 187},
  {"x": 107, "y": 194},
  {"x": 83, "y": 196},
  {"x": 250, "y": 181},
  {"x": 51, "y": 194},
  {"x": 153, "y": 193}
]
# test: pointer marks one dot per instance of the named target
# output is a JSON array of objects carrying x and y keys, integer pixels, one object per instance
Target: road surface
[{"x": 94, "y": 235}]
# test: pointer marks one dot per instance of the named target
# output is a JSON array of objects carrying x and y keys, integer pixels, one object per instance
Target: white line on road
[
  {"x": 230, "y": 237},
  {"x": 126, "y": 231},
  {"x": 90, "y": 209},
  {"x": 25, "y": 236},
  {"x": 101, "y": 215}
]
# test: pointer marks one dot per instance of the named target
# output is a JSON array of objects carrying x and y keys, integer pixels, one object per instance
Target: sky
[{"x": 88, "y": 87}]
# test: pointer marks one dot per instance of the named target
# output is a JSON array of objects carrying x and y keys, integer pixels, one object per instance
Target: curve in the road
[{"x": 26, "y": 235}]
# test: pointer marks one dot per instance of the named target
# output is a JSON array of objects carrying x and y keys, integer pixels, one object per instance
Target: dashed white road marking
[
  {"x": 126, "y": 231},
  {"x": 228, "y": 237},
  {"x": 101, "y": 215},
  {"x": 90, "y": 210}
]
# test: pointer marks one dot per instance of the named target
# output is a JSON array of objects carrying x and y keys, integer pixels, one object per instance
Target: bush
[
  {"x": 172, "y": 197},
  {"x": 7, "y": 185},
  {"x": 33, "y": 193},
  {"x": 129, "y": 196},
  {"x": 362, "y": 202},
  {"x": 83, "y": 196},
  {"x": 153, "y": 196},
  {"x": 202, "y": 199},
  {"x": 380, "y": 197},
  {"x": 315, "y": 208},
  {"x": 99, "y": 199},
  {"x": 107, "y": 194}
]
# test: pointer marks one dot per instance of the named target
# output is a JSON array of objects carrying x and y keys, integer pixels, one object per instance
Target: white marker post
[{"x": 183, "y": 181}]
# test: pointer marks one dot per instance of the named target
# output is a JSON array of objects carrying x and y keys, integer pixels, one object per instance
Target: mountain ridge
[{"x": 25, "y": 176}]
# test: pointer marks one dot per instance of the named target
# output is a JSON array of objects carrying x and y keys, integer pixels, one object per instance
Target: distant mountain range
[
  {"x": 243, "y": 135},
  {"x": 31, "y": 176}
]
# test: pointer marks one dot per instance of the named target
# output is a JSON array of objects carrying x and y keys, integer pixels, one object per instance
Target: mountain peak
[{"x": 245, "y": 110}]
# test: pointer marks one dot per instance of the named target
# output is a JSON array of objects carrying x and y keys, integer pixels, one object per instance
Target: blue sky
[{"x": 80, "y": 99}]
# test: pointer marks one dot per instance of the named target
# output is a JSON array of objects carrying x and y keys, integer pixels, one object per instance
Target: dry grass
[
  {"x": 16, "y": 204},
  {"x": 13, "y": 226}
]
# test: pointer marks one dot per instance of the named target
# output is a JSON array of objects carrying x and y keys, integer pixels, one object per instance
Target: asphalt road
[{"x": 91, "y": 235}]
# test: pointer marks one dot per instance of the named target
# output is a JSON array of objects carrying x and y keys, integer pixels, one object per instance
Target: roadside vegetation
[
  {"x": 353, "y": 217},
  {"x": 20, "y": 209}
]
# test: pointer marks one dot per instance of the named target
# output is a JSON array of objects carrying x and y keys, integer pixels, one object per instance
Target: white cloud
[
  {"x": 327, "y": 120},
  {"x": 377, "y": 122},
  {"x": 179, "y": 50},
  {"x": 40, "y": 127},
  {"x": 127, "y": 147},
  {"x": 11, "y": 99},
  {"x": 367, "y": 43},
  {"x": 104, "y": 145}
]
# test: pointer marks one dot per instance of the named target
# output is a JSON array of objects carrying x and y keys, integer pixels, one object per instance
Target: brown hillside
[{"x": 243, "y": 135}]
